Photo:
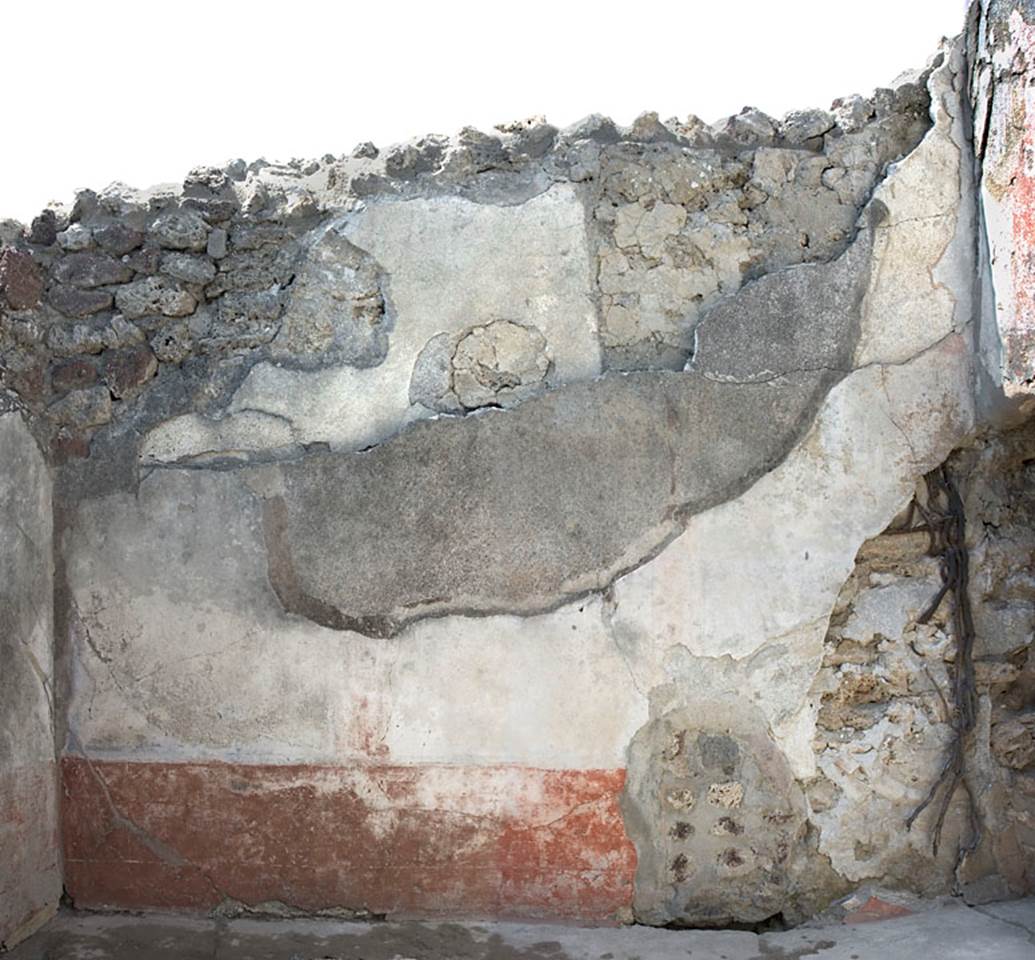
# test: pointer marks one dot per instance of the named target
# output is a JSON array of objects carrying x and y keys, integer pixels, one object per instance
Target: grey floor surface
[{"x": 952, "y": 931}]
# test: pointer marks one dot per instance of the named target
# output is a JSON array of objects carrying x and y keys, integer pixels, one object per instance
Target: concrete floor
[{"x": 951, "y": 931}]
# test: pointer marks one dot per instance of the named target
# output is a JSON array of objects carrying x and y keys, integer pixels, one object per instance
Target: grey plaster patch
[
  {"x": 803, "y": 317},
  {"x": 449, "y": 265},
  {"x": 516, "y": 511}
]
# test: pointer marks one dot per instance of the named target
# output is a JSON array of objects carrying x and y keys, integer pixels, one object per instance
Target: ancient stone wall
[
  {"x": 519, "y": 524},
  {"x": 30, "y": 878}
]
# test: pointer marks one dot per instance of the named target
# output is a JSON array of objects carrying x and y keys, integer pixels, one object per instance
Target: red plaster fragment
[
  {"x": 427, "y": 840},
  {"x": 874, "y": 910}
]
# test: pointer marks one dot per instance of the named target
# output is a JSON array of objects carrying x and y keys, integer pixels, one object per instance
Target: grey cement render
[{"x": 515, "y": 512}]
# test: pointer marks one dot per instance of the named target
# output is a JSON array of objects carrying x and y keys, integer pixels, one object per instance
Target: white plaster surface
[{"x": 182, "y": 651}]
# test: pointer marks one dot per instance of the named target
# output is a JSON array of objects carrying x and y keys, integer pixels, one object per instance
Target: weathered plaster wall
[
  {"x": 1002, "y": 36},
  {"x": 30, "y": 851},
  {"x": 515, "y": 524}
]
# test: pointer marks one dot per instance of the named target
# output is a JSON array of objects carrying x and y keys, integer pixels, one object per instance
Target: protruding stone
[
  {"x": 74, "y": 375},
  {"x": 531, "y": 138},
  {"x": 750, "y": 128},
  {"x": 181, "y": 230},
  {"x": 20, "y": 282},
  {"x": 172, "y": 344},
  {"x": 76, "y": 237},
  {"x": 648, "y": 128},
  {"x": 188, "y": 267},
  {"x": 1013, "y": 741},
  {"x": 82, "y": 408},
  {"x": 852, "y": 113},
  {"x": 44, "y": 229},
  {"x": 216, "y": 246},
  {"x": 126, "y": 371},
  {"x": 729, "y": 794},
  {"x": 802, "y": 126},
  {"x": 89, "y": 270},
  {"x": 412, "y": 159},
  {"x": 117, "y": 238},
  {"x": 594, "y": 127},
  {"x": 154, "y": 295},
  {"x": 73, "y": 302}
]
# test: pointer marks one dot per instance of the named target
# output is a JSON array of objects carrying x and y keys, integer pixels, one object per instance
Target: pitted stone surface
[
  {"x": 496, "y": 364},
  {"x": 718, "y": 821}
]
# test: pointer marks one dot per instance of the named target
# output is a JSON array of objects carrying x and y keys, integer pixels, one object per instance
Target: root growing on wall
[{"x": 945, "y": 521}]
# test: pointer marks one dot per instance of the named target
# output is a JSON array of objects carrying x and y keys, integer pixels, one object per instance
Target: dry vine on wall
[{"x": 945, "y": 521}]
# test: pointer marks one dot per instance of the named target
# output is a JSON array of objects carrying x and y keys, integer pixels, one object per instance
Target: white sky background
[{"x": 103, "y": 90}]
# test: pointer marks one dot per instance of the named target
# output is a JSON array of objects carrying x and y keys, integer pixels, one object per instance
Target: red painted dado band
[{"x": 460, "y": 840}]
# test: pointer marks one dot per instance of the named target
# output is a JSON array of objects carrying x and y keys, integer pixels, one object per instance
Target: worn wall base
[{"x": 450, "y": 840}]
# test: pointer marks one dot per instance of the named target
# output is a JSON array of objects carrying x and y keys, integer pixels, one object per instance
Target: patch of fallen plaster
[
  {"x": 515, "y": 512},
  {"x": 496, "y": 364},
  {"x": 763, "y": 571},
  {"x": 451, "y": 265},
  {"x": 767, "y": 566},
  {"x": 337, "y": 314}
]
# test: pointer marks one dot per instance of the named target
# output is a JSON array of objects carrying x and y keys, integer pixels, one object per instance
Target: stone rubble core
[{"x": 517, "y": 524}]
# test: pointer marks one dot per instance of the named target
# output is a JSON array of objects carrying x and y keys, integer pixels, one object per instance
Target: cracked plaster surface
[{"x": 674, "y": 535}]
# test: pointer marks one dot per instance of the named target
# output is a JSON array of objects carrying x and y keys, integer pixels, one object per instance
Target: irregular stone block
[
  {"x": 154, "y": 295},
  {"x": 82, "y": 408},
  {"x": 91, "y": 270},
  {"x": 73, "y": 302},
  {"x": 20, "y": 281},
  {"x": 717, "y": 819},
  {"x": 76, "y": 237},
  {"x": 216, "y": 245},
  {"x": 44, "y": 229},
  {"x": 181, "y": 230},
  {"x": 74, "y": 375},
  {"x": 126, "y": 371},
  {"x": 172, "y": 344},
  {"x": 188, "y": 268},
  {"x": 118, "y": 238}
]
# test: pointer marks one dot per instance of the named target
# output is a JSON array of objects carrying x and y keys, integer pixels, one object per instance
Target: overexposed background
[{"x": 142, "y": 91}]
